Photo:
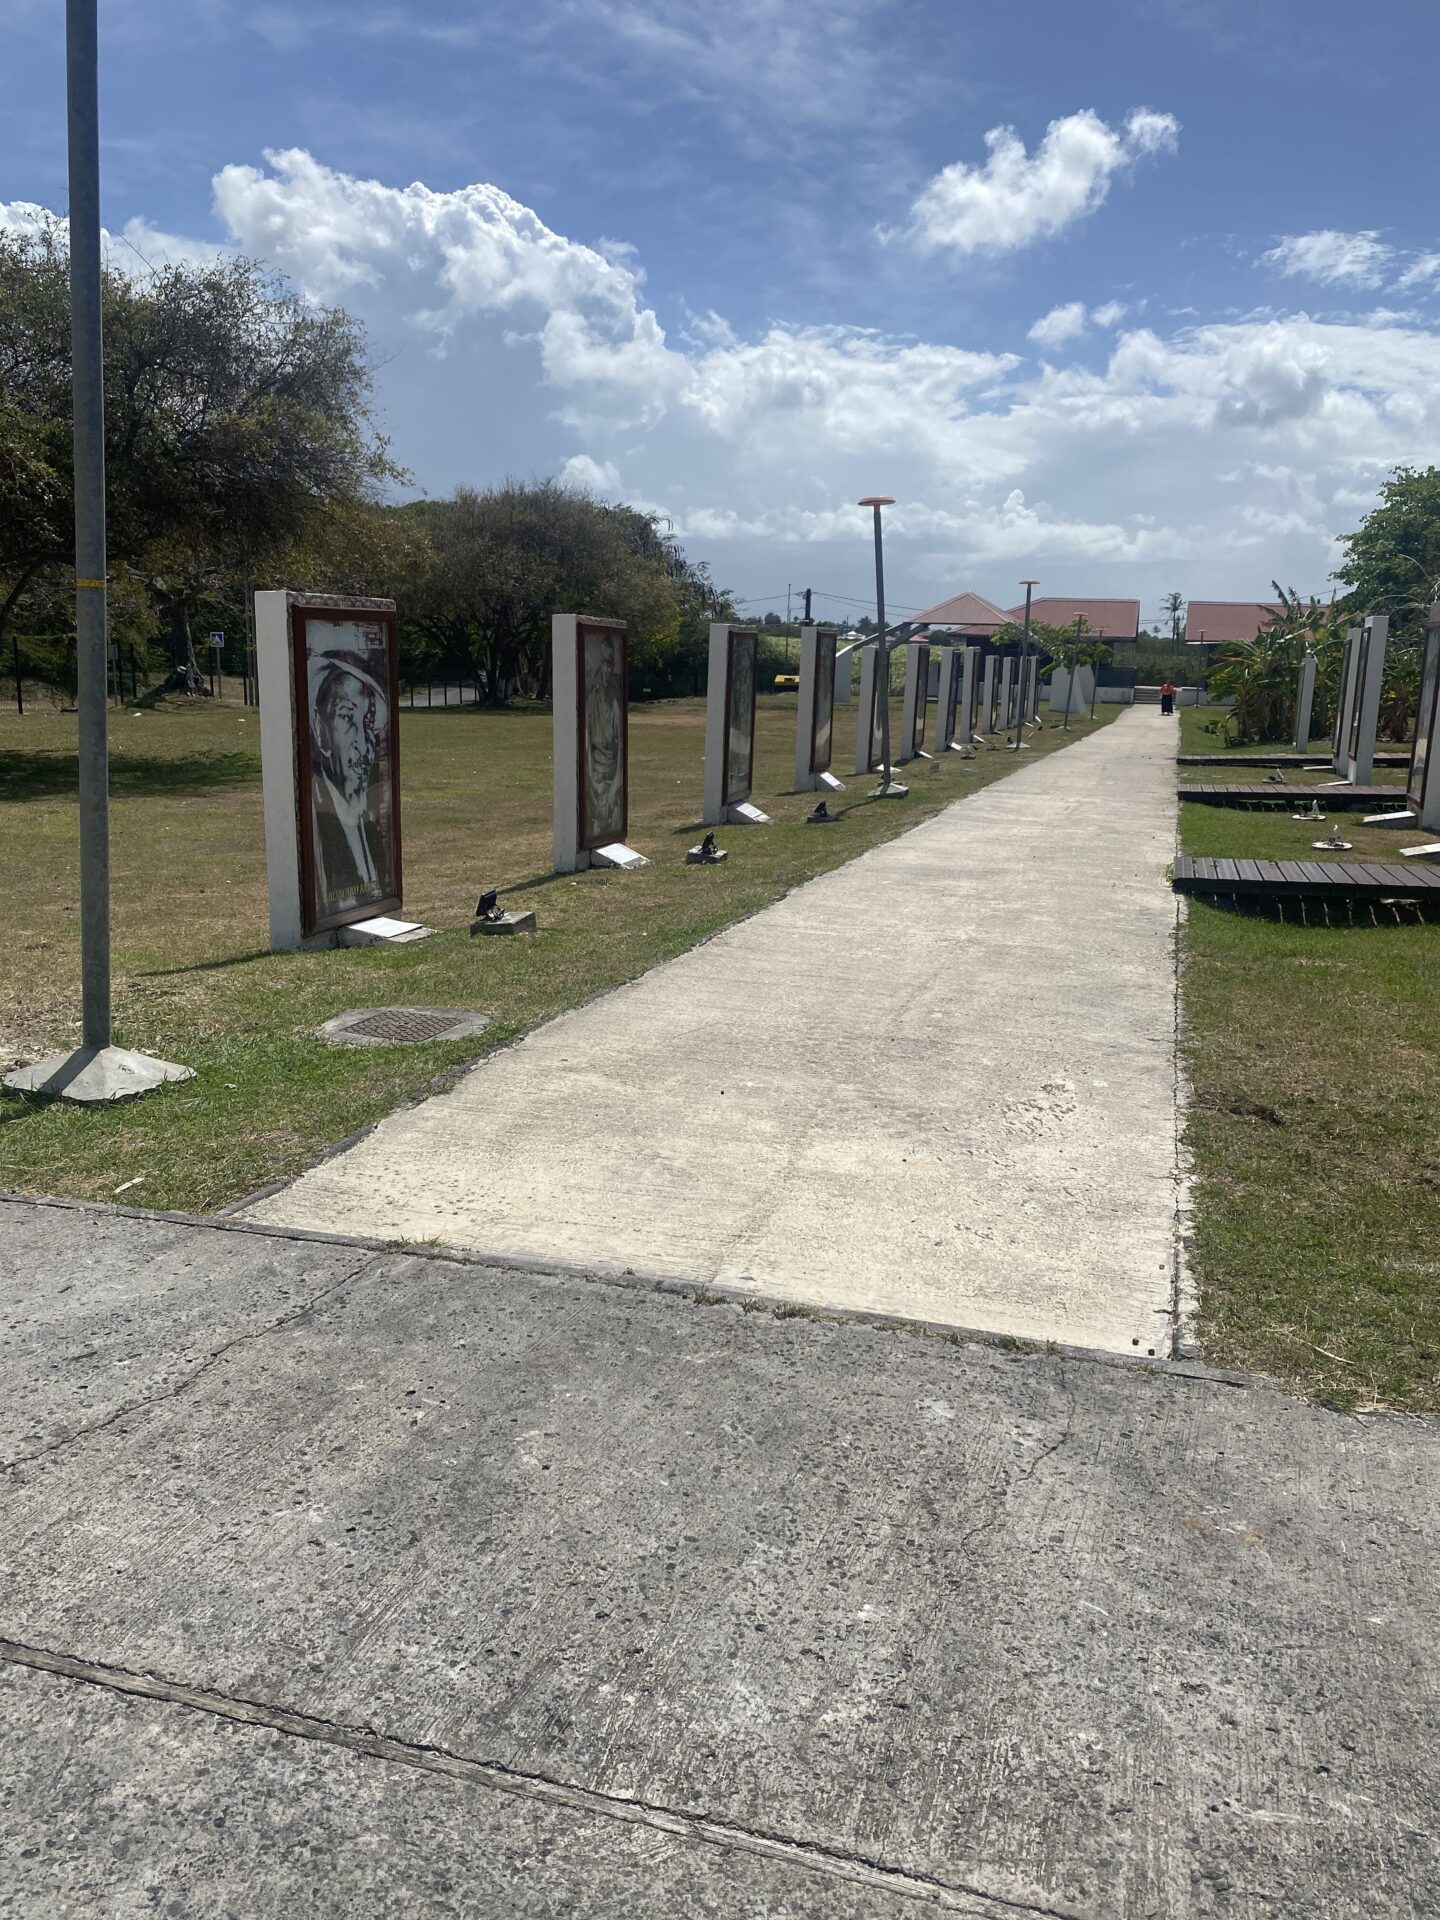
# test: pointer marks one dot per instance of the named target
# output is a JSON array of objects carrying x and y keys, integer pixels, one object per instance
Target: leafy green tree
[
  {"x": 499, "y": 563},
  {"x": 236, "y": 421},
  {"x": 1391, "y": 563},
  {"x": 1262, "y": 675}
]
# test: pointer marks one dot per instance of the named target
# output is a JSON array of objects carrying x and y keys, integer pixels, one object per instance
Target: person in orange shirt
[{"x": 1167, "y": 698}]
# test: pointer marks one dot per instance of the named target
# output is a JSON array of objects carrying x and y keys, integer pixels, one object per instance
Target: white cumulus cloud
[
  {"x": 1017, "y": 197},
  {"x": 1060, "y": 324},
  {"x": 1423, "y": 271},
  {"x": 1332, "y": 258},
  {"x": 505, "y": 347}
]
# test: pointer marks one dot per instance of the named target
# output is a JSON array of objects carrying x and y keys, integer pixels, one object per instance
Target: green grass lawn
[
  {"x": 1314, "y": 1058},
  {"x": 1200, "y": 732},
  {"x": 194, "y": 981}
]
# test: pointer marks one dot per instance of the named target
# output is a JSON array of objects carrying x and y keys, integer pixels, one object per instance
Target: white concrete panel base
[
  {"x": 382, "y": 931},
  {"x": 617, "y": 854},
  {"x": 1429, "y": 851},
  {"x": 829, "y": 783},
  {"x": 1402, "y": 817},
  {"x": 746, "y": 814}
]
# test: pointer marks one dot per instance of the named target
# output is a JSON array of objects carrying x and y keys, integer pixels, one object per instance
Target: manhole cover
[{"x": 402, "y": 1026}]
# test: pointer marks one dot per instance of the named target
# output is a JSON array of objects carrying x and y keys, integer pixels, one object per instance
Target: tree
[
  {"x": 236, "y": 420},
  {"x": 1173, "y": 606},
  {"x": 1391, "y": 563},
  {"x": 499, "y": 563},
  {"x": 1262, "y": 675}
]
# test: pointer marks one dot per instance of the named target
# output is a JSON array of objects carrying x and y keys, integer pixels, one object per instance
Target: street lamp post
[
  {"x": 96, "y": 1070},
  {"x": 1029, "y": 586},
  {"x": 888, "y": 789}
]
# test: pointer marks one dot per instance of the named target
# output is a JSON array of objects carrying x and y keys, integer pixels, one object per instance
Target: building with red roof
[
  {"x": 1215, "y": 622},
  {"x": 1115, "y": 619},
  {"x": 968, "y": 612}
]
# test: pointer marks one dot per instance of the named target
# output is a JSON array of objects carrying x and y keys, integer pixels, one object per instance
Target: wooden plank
[{"x": 1329, "y": 879}]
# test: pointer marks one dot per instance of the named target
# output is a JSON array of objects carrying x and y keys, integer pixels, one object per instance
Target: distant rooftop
[
  {"x": 1211, "y": 620},
  {"x": 970, "y": 611},
  {"x": 1120, "y": 619}
]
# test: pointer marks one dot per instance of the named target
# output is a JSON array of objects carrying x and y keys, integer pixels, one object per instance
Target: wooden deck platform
[
  {"x": 1308, "y": 879},
  {"x": 1269, "y": 794},
  {"x": 1315, "y": 760}
]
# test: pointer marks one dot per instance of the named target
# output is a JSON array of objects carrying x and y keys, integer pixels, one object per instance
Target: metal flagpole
[
  {"x": 96, "y": 1071},
  {"x": 81, "y": 61},
  {"x": 1029, "y": 586}
]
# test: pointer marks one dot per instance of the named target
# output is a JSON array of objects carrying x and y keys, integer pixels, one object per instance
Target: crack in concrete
[
  {"x": 196, "y": 1374},
  {"x": 999, "y": 1495},
  {"x": 815, "y": 1856}
]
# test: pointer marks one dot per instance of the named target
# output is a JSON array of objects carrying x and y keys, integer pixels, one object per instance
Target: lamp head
[{"x": 877, "y": 500}]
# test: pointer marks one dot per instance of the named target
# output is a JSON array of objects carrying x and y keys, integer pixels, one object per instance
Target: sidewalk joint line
[{"x": 815, "y": 1856}]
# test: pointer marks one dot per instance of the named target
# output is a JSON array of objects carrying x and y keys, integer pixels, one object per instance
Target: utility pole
[
  {"x": 807, "y": 606},
  {"x": 95, "y": 1071}
]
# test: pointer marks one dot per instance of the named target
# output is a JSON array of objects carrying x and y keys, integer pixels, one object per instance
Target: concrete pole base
[
  {"x": 894, "y": 791},
  {"x": 95, "y": 1075}
]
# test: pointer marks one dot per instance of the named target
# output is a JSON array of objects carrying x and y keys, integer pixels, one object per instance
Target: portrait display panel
[
  {"x": 822, "y": 711},
  {"x": 1359, "y": 675},
  {"x": 345, "y": 671},
  {"x": 1423, "y": 785},
  {"x": 602, "y": 733},
  {"x": 740, "y": 667},
  {"x": 1346, "y": 691},
  {"x": 922, "y": 698},
  {"x": 952, "y": 695}
]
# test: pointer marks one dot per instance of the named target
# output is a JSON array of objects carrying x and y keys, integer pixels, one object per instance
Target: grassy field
[
  {"x": 1314, "y": 1058},
  {"x": 194, "y": 981}
]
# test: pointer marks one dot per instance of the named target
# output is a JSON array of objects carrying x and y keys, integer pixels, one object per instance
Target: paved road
[
  {"x": 336, "y": 1581},
  {"x": 939, "y": 1082}
]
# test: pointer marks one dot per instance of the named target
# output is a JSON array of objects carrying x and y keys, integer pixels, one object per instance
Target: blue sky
[{"x": 1128, "y": 297}]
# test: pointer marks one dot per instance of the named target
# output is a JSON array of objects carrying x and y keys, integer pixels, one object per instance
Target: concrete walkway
[
  {"x": 337, "y": 1582},
  {"x": 938, "y": 1082}
]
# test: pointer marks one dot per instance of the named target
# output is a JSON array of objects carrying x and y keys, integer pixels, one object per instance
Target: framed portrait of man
[
  {"x": 602, "y": 732},
  {"x": 740, "y": 714},
  {"x": 345, "y": 670},
  {"x": 822, "y": 710}
]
